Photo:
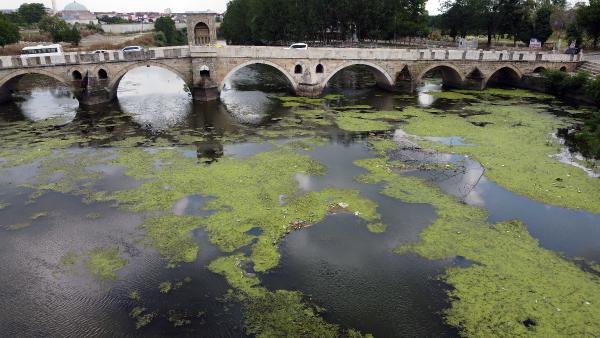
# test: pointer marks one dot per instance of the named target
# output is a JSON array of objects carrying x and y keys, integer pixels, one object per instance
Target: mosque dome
[{"x": 75, "y": 7}]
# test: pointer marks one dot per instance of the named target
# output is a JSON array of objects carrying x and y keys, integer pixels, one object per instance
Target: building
[{"x": 77, "y": 13}]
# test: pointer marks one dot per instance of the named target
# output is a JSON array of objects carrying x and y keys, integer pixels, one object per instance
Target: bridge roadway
[{"x": 94, "y": 78}]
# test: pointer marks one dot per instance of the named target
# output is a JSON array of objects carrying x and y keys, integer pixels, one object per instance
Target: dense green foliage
[
  {"x": 588, "y": 138},
  {"x": 59, "y": 30},
  {"x": 112, "y": 20},
  {"x": 521, "y": 19},
  {"x": 31, "y": 13},
  {"x": 167, "y": 34},
  {"x": 282, "y": 21},
  {"x": 9, "y": 32},
  {"x": 562, "y": 83},
  {"x": 593, "y": 90},
  {"x": 588, "y": 17}
]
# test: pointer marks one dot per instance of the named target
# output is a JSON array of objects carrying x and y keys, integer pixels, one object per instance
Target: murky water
[{"x": 337, "y": 264}]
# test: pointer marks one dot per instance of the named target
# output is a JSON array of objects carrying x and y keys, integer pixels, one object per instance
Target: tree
[
  {"x": 284, "y": 21},
  {"x": 541, "y": 24},
  {"x": 112, "y": 20},
  {"x": 60, "y": 31},
  {"x": 561, "y": 19},
  {"x": 166, "y": 25},
  {"x": 516, "y": 18},
  {"x": 9, "y": 32},
  {"x": 574, "y": 33},
  {"x": 160, "y": 40},
  {"x": 235, "y": 26},
  {"x": 588, "y": 18},
  {"x": 55, "y": 26},
  {"x": 31, "y": 13},
  {"x": 72, "y": 35}
]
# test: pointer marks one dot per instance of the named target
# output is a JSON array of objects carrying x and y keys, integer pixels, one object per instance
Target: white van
[{"x": 41, "y": 50}]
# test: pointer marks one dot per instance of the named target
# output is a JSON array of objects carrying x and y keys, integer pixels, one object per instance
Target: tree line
[
  {"x": 521, "y": 19},
  {"x": 283, "y": 21}
]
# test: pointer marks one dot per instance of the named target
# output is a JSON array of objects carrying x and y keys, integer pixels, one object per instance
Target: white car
[
  {"x": 131, "y": 49},
  {"x": 298, "y": 46}
]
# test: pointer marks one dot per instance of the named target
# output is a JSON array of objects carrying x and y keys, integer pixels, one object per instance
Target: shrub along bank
[{"x": 581, "y": 84}]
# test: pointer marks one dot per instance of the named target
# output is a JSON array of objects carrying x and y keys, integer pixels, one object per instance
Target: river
[{"x": 396, "y": 215}]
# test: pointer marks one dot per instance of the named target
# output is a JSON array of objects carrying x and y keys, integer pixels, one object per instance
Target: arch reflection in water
[
  {"x": 40, "y": 98},
  {"x": 248, "y": 93},
  {"x": 157, "y": 98}
]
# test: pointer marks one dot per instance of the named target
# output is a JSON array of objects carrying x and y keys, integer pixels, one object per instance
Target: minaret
[{"x": 54, "y": 9}]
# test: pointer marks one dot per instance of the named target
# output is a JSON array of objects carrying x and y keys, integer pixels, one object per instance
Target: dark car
[{"x": 572, "y": 51}]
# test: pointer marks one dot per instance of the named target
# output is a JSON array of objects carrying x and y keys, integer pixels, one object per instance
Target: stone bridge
[{"x": 94, "y": 78}]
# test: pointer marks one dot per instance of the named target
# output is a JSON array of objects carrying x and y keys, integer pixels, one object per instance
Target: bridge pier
[
  {"x": 309, "y": 90},
  {"x": 206, "y": 90}
]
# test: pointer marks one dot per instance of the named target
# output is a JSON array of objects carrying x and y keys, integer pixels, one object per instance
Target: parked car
[
  {"x": 298, "y": 46},
  {"x": 101, "y": 51},
  {"x": 131, "y": 49},
  {"x": 572, "y": 51}
]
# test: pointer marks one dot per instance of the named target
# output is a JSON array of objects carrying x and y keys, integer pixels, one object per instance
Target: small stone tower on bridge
[{"x": 202, "y": 29}]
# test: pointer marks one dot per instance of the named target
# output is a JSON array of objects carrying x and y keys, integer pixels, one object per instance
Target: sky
[{"x": 153, "y": 5}]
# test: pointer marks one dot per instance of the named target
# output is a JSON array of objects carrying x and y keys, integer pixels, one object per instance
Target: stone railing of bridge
[
  {"x": 77, "y": 58},
  {"x": 259, "y": 52}
]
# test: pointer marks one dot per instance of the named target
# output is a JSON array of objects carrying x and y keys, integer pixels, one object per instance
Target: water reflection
[
  {"x": 156, "y": 107},
  {"x": 248, "y": 93},
  {"x": 37, "y": 98},
  {"x": 431, "y": 85}
]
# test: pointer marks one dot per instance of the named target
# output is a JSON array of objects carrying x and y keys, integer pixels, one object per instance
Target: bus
[{"x": 41, "y": 50}]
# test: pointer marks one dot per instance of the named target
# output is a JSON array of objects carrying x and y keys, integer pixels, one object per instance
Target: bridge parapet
[
  {"x": 256, "y": 52},
  {"x": 74, "y": 58}
]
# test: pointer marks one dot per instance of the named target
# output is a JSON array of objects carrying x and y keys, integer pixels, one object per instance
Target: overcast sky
[{"x": 153, "y": 5}]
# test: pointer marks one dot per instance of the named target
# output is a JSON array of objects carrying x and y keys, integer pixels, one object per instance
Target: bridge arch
[
  {"x": 289, "y": 77},
  {"x": 383, "y": 78},
  {"x": 21, "y": 72},
  {"x": 114, "y": 82},
  {"x": 9, "y": 81},
  {"x": 505, "y": 74},
  {"x": 452, "y": 76}
]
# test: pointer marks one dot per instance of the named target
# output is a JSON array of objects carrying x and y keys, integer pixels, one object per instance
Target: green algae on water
[
  {"x": 283, "y": 314},
  {"x": 38, "y": 215},
  {"x": 349, "y": 123},
  {"x": 144, "y": 320},
  {"x": 171, "y": 236},
  {"x": 299, "y": 101},
  {"x": 377, "y": 228},
  {"x": 262, "y": 178},
  {"x": 277, "y": 313},
  {"x": 135, "y": 295},
  {"x": 513, "y": 92},
  {"x": 516, "y": 150},
  {"x": 512, "y": 281},
  {"x": 448, "y": 95},
  {"x": 17, "y": 226},
  {"x": 69, "y": 259},
  {"x": 104, "y": 263},
  {"x": 165, "y": 287}
]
